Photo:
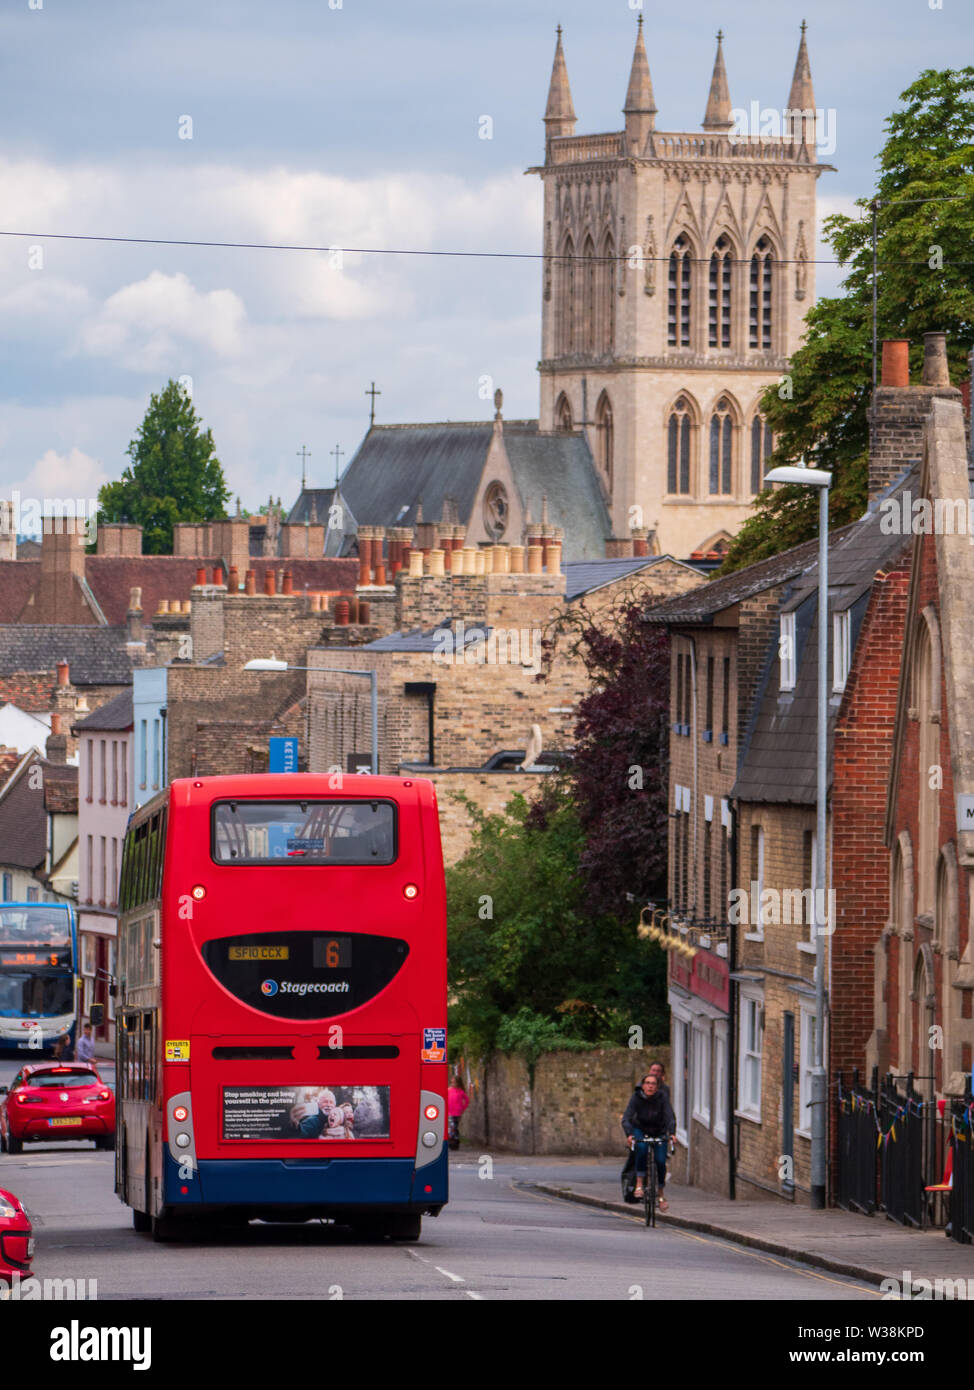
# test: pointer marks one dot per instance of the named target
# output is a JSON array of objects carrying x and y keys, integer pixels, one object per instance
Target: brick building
[
  {"x": 459, "y": 694},
  {"x": 924, "y": 978},
  {"x": 106, "y": 800}
]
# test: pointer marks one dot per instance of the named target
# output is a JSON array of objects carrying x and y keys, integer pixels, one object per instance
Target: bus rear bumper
[{"x": 322, "y": 1187}]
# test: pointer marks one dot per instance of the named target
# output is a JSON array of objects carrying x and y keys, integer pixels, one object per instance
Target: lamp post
[
  {"x": 270, "y": 664},
  {"x": 816, "y": 477}
]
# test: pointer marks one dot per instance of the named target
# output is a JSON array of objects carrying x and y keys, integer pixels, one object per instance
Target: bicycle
[{"x": 650, "y": 1184}]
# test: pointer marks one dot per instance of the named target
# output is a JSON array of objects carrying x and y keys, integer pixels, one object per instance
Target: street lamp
[
  {"x": 265, "y": 663},
  {"x": 817, "y": 477}
]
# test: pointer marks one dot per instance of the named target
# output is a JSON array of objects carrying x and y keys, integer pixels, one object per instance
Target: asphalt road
[{"x": 495, "y": 1240}]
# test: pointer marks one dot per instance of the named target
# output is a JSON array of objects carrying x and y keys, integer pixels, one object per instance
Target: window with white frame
[
  {"x": 123, "y": 798},
  {"x": 806, "y": 1061},
  {"x": 841, "y": 649},
  {"x": 91, "y": 768},
  {"x": 755, "y": 914},
  {"x": 681, "y": 1062},
  {"x": 720, "y": 1081},
  {"x": 700, "y": 1065},
  {"x": 750, "y": 1050},
  {"x": 143, "y": 752},
  {"x": 786, "y": 651}
]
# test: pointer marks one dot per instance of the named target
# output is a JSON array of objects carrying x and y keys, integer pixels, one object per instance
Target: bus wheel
[
  {"x": 141, "y": 1222},
  {"x": 404, "y": 1226},
  {"x": 167, "y": 1228}
]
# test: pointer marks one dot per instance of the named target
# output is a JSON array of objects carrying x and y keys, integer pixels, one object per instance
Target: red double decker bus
[{"x": 281, "y": 1004}]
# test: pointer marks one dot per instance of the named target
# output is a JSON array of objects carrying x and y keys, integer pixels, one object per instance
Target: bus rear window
[{"x": 305, "y": 832}]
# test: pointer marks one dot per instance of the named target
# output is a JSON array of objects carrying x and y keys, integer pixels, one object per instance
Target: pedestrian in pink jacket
[{"x": 457, "y": 1101}]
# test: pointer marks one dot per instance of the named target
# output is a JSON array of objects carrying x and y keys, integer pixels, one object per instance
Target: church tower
[{"x": 677, "y": 274}]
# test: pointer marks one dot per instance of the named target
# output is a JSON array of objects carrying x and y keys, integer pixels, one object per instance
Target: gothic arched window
[
  {"x": 762, "y": 443},
  {"x": 565, "y": 335},
  {"x": 721, "y": 448},
  {"x": 762, "y": 263},
  {"x": 563, "y": 415},
  {"x": 679, "y": 293},
  {"x": 721, "y": 262},
  {"x": 606, "y": 303},
  {"x": 603, "y": 428},
  {"x": 589, "y": 297},
  {"x": 679, "y": 432}
]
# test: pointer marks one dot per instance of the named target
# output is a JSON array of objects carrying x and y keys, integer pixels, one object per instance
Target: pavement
[{"x": 870, "y": 1248}]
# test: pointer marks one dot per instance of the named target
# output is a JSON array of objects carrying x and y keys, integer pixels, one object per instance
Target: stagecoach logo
[{"x": 269, "y": 987}]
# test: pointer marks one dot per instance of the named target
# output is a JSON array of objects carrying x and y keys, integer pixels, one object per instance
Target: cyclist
[{"x": 649, "y": 1115}]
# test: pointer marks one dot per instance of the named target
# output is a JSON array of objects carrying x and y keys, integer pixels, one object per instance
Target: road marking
[
  {"x": 417, "y": 1256},
  {"x": 457, "y": 1279},
  {"x": 851, "y": 1282},
  {"x": 470, "y": 1294}
]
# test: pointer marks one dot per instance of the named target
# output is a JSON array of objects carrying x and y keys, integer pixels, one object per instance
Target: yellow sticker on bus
[
  {"x": 258, "y": 953},
  {"x": 177, "y": 1051}
]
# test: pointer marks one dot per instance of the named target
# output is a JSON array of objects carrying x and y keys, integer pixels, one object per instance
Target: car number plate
[{"x": 72, "y": 1120}]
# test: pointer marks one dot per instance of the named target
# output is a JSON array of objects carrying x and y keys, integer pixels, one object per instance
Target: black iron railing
[{"x": 905, "y": 1155}]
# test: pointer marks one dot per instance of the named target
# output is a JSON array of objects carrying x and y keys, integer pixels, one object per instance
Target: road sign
[{"x": 283, "y": 754}]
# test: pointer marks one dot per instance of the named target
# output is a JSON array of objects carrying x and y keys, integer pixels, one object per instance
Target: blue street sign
[{"x": 283, "y": 754}]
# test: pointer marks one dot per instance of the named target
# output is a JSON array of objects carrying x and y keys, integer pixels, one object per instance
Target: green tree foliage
[
  {"x": 531, "y": 966},
  {"x": 173, "y": 475},
  {"x": 925, "y": 235}
]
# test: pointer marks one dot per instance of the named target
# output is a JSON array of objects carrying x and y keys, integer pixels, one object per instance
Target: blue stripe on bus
[{"x": 307, "y": 1182}]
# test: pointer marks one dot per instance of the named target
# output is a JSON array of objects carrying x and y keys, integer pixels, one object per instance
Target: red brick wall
[{"x": 860, "y": 860}]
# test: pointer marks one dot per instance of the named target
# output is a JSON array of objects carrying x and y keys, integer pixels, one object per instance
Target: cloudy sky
[{"x": 349, "y": 123}]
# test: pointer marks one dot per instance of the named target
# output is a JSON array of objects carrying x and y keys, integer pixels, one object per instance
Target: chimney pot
[
  {"x": 936, "y": 371},
  {"x": 269, "y": 585},
  {"x": 250, "y": 583},
  {"x": 234, "y": 582},
  {"x": 63, "y": 673},
  {"x": 55, "y": 723},
  {"x": 201, "y": 575},
  {"x": 287, "y": 584},
  {"x": 217, "y": 574},
  {"x": 896, "y": 362}
]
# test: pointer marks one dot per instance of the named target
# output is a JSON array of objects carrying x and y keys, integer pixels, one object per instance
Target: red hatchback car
[
  {"x": 16, "y": 1240},
  {"x": 51, "y": 1101}
]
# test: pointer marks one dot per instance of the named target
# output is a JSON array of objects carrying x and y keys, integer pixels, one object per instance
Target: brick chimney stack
[
  {"x": 133, "y": 618},
  {"x": 57, "y": 743},
  {"x": 899, "y": 410}
]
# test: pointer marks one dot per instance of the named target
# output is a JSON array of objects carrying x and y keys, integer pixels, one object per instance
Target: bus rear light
[
  {"x": 180, "y": 1113},
  {"x": 199, "y": 892},
  {"x": 410, "y": 890},
  {"x": 427, "y": 1188},
  {"x": 431, "y": 1112}
]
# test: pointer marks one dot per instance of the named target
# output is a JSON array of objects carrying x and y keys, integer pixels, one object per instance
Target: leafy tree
[
  {"x": 925, "y": 230},
  {"x": 173, "y": 475},
  {"x": 530, "y": 966}
]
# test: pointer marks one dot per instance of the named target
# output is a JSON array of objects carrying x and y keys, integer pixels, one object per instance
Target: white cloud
[
  {"x": 70, "y": 475},
  {"x": 143, "y": 324}
]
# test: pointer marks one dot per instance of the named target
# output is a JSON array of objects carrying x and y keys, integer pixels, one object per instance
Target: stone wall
[{"x": 572, "y": 1104}]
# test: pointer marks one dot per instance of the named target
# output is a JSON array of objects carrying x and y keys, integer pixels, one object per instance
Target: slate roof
[
  {"x": 560, "y": 467},
  {"x": 95, "y": 655},
  {"x": 23, "y": 814},
  {"x": 584, "y": 576},
  {"x": 778, "y": 761},
  {"x": 115, "y": 715},
  {"x": 397, "y": 466},
  {"x": 699, "y": 606},
  {"x": 427, "y": 641}
]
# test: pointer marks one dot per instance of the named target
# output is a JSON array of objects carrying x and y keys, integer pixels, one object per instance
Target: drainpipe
[
  {"x": 732, "y": 1021},
  {"x": 693, "y": 877}
]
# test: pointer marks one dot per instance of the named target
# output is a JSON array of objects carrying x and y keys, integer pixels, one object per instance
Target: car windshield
[{"x": 62, "y": 1080}]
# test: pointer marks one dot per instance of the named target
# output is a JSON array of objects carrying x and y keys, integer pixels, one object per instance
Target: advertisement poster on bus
[{"x": 305, "y": 1112}]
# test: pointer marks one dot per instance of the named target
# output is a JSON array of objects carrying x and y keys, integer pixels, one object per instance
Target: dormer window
[
  {"x": 786, "y": 651},
  {"x": 841, "y": 649}
]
